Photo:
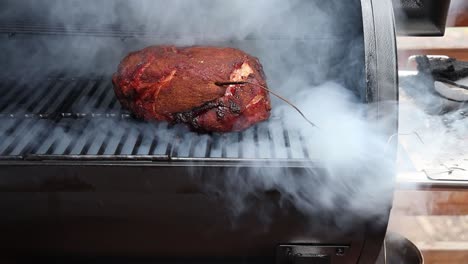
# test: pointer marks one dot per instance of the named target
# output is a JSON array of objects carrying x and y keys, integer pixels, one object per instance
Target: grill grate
[{"x": 79, "y": 118}]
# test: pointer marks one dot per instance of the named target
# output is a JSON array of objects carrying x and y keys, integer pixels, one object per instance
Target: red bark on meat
[{"x": 179, "y": 85}]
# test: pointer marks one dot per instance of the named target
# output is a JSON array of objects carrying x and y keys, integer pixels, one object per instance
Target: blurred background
[{"x": 431, "y": 204}]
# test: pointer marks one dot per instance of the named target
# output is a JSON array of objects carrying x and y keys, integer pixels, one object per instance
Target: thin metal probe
[{"x": 273, "y": 93}]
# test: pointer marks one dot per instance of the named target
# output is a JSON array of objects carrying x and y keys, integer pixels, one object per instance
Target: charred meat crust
[{"x": 178, "y": 85}]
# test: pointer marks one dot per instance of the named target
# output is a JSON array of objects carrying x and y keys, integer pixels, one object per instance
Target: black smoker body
[{"x": 80, "y": 177}]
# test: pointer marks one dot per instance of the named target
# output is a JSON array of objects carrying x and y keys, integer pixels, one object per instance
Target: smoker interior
[
  {"x": 85, "y": 178},
  {"x": 58, "y": 99}
]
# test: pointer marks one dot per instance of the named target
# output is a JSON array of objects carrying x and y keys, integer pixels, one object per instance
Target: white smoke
[
  {"x": 352, "y": 179},
  {"x": 312, "y": 53}
]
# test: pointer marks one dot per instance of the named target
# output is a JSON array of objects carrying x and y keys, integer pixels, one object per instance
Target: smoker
[{"x": 81, "y": 178}]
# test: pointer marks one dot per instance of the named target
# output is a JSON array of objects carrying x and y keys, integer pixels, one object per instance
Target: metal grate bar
[
  {"x": 304, "y": 147},
  {"x": 29, "y": 96},
  {"x": 52, "y": 94},
  {"x": 47, "y": 144},
  {"x": 186, "y": 145},
  {"x": 296, "y": 146},
  {"x": 64, "y": 106},
  {"x": 147, "y": 138},
  {"x": 183, "y": 140},
  {"x": 11, "y": 129},
  {"x": 247, "y": 143},
  {"x": 121, "y": 143},
  {"x": 162, "y": 135},
  {"x": 103, "y": 147},
  {"x": 278, "y": 140},
  {"x": 7, "y": 98},
  {"x": 153, "y": 146},
  {"x": 240, "y": 150},
  {"x": 232, "y": 146},
  {"x": 53, "y": 90},
  {"x": 55, "y": 140},
  {"x": 60, "y": 146},
  {"x": 88, "y": 90},
  {"x": 71, "y": 147},
  {"x": 33, "y": 137},
  {"x": 60, "y": 99},
  {"x": 287, "y": 142},
  {"x": 191, "y": 152},
  {"x": 113, "y": 144},
  {"x": 109, "y": 101},
  {"x": 264, "y": 143},
  {"x": 17, "y": 134},
  {"x": 87, "y": 145},
  {"x": 256, "y": 143},
  {"x": 209, "y": 146},
  {"x": 7, "y": 124},
  {"x": 271, "y": 144},
  {"x": 224, "y": 146},
  {"x": 97, "y": 143},
  {"x": 168, "y": 151},
  {"x": 138, "y": 140},
  {"x": 43, "y": 93},
  {"x": 91, "y": 103},
  {"x": 215, "y": 149},
  {"x": 80, "y": 145},
  {"x": 99, "y": 100},
  {"x": 200, "y": 146}
]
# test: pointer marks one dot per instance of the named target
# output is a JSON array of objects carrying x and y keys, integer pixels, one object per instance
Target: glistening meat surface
[{"x": 181, "y": 85}]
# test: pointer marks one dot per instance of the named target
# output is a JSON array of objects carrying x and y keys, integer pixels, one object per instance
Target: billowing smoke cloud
[
  {"x": 313, "y": 54},
  {"x": 353, "y": 178}
]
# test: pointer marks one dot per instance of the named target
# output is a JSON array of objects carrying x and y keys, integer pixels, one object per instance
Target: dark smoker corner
[{"x": 421, "y": 17}]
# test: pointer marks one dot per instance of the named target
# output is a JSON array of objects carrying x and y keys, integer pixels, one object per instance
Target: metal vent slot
[{"x": 74, "y": 118}]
